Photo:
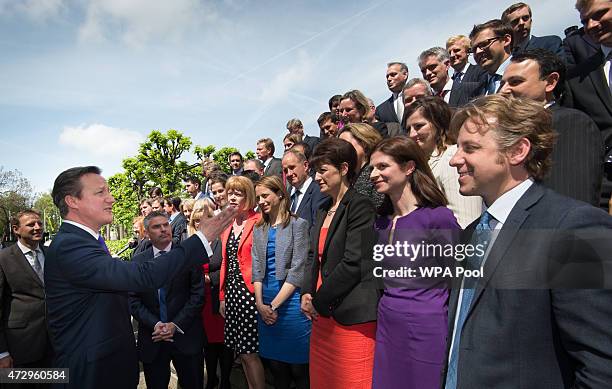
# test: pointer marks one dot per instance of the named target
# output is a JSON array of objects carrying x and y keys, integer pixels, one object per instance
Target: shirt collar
[
  {"x": 502, "y": 68},
  {"x": 304, "y": 186},
  {"x": 25, "y": 249},
  {"x": 465, "y": 68},
  {"x": 500, "y": 209},
  {"x": 174, "y": 215},
  {"x": 83, "y": 227},
  {"x": 166, "y": 249},
  {"x": 606, "y": 51},
  {"x": 267, "y": 161},
  {"x": 448, "y": 85}
]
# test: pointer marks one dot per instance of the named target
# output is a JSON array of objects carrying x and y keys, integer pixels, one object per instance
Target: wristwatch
[{"x": 273, "y": 308}]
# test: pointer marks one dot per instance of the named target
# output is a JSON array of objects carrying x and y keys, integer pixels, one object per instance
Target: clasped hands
[
  {"x": 307, "y": 308},
  {"x": 267, "y": 314},
  {"x": 163, "y": 332}
]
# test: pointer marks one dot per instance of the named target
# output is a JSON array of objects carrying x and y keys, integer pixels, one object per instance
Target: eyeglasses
[{"x": 482, "y": 46}]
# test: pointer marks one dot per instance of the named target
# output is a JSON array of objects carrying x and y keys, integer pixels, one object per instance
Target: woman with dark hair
[
  {"x": 236, "y": 292},
  {"x": 155, "y": 192},
  {"x": 217, "y": 189},
  {"x": 215, "y": 352},
  {"x": 280, "y": 248},
  {"x": 291, "y": 140},
  {"x": 412, "y": 314},
  {"x": 427, "y": 122},
  {"x": 364, "y": 138},
  {"x": 355, "y": 108},
  {"x": 339, "y": 294}
]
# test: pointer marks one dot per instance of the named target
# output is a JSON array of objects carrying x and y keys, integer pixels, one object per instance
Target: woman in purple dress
[{"x": 412, "y": 314}]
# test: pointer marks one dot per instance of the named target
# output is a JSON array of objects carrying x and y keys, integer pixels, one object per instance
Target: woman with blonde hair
[
  {"x": 291, "y": 140},
  {"x": 355, "y": 108},
  {"x": 280, "y": 248},
  {"x": 187, "y": 208},
  {"x": 364, "y": 139},
  {"x": 215, "y": 351},
  {"x": 236, "y": 291}
]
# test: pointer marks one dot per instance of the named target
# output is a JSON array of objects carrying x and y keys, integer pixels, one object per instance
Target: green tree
[
  {"x": 49, "y": 212},
  {"x": 126, "y": 197},
  {"x": 16, "y": 194}
]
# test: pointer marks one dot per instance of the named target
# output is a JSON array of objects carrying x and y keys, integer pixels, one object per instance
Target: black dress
[{"x": 240, "y": 310}]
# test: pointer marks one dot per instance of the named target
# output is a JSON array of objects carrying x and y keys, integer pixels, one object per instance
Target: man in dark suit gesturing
[
  {"x": 87, "y": 303},
  {"x": 170, "y": 328},
  {"x": 24, "y": 340},
  {"x": 520, "y": 325}
]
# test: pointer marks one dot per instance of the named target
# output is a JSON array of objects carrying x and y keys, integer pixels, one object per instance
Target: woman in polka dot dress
[{"x": 236, "y": 292}]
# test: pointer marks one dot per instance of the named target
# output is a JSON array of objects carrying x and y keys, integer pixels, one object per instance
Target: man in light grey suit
[{"x": 538, "y": 316}]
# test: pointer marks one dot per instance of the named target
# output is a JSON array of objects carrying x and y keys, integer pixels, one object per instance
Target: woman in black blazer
[{"x": 339, "y": 292}]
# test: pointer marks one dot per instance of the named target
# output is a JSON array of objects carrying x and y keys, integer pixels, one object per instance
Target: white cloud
[
  {"x": 137, "y": 22},
  {"x": 293, "y": 78},
  {"x": 101, "y": 140},
  {"x": 38, "y": 10}
]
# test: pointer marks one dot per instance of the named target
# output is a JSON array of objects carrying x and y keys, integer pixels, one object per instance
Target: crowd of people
[{"x": 272, "y": 264}]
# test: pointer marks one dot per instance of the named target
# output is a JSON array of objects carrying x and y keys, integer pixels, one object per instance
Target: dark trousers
[{"x": 189, "y": 369}]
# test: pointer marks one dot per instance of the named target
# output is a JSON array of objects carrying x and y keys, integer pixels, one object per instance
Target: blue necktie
[
  {"x": 491, "y": 87},
  {"x": 103, "y": 243},
  {"x": 294, "y": 200},
  {"x": 163, "y": 310},
  {"x": 482, "y": 236},
  {"x": 457, "y": 77}
]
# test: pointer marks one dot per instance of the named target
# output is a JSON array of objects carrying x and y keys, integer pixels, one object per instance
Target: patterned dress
[{"x": 240, "y": 310}]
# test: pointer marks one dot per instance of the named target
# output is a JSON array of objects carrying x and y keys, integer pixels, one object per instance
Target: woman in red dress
[{"x": 339, "y": 292}]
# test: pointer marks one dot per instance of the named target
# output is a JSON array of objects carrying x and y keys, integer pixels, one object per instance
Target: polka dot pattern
[{"x": 240, "y": 310}]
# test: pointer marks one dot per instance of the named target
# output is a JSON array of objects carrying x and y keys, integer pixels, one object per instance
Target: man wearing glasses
[{"x": 492, "y": 48}]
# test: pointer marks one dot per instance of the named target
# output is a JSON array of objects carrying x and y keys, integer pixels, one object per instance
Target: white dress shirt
[
  {"x": 303, "y": 190},
  {"x": 606, "y": 52},
  {"x": 500, "y": 72}
]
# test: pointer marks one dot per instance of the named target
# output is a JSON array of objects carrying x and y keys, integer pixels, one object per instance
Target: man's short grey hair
[
  {"x": 402, "y": 66},
  {"x": 147, "y": 219},
  {"x": 416, "y": 81},
  {"x": 440, "y": 53},
  {"x": 257, "y": 163}
]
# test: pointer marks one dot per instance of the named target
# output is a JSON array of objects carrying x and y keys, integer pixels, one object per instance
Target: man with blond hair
[
  {"x": 458, "y": 48},
  {"x": 538, "y": 315},
  {"x": 265, "y": 153}
]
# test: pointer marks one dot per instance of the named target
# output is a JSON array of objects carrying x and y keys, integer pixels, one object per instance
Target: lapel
[
  {"x": 248, "y": 229},
  {"x": 22, "y": 262},
  {"x": 306, "y": 198},
  {"x": 281, "y": 243},
  {"x": 598, "y": 78},
  {"x": 506, "y": 235},
  {"x": 318, "y": 224},
  {"x": 337, "y": 217}
]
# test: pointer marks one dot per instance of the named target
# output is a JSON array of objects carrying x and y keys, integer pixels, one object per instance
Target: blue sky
[{"x": 84, "y": 81}]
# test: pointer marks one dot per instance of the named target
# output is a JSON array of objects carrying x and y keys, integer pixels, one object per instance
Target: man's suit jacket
[
  {"x": 536, "y": 338},
  {"x": 274, "y": 168},
  {"x": 311, "y": 202},
  {"x": 87, "y": 305},
  {"x": 472, "y": 83},
  {"x": 311, "y": 141},
  {"x": 587, "y": 88},
  {"x": 551, "y": 43},
  {"x": 577, "y": 156},
  {"x": 184, "y": 300},
  {"x": 23, "y": 317},
  {"x": 179, "y": 227},
  {"x": 348, "y": 292},
  {"x": 385, "y": 112}
]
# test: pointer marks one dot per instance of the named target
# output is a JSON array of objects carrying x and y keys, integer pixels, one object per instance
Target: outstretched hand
[{"x": 214, "y": 226}]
